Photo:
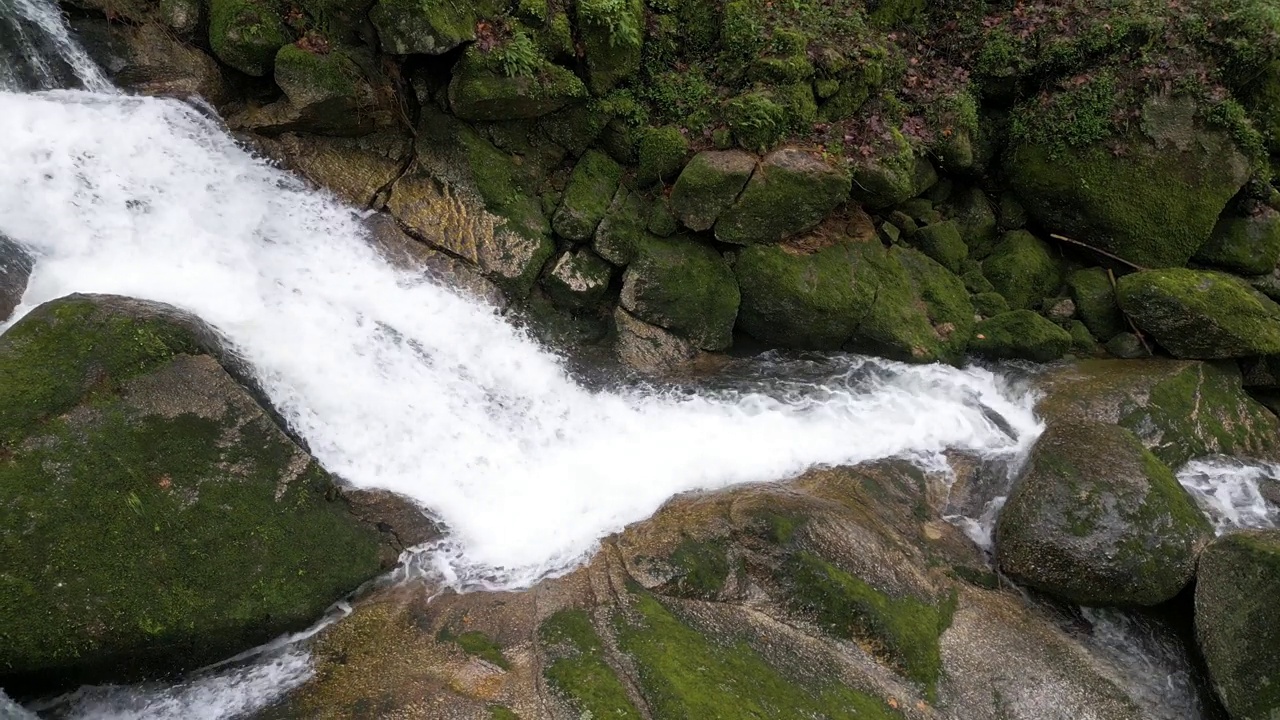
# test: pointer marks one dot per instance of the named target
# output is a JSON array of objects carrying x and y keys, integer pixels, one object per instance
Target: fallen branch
[
  {"x": 1100, "y": 251},
  {"x": 1112, "y": 277}
]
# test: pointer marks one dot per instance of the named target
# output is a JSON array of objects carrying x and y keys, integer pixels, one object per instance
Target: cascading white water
[
  {"x": 400, "y": 384},
  {"x": 1230, "y": 492},
  {"x": 37, "y": 52}
]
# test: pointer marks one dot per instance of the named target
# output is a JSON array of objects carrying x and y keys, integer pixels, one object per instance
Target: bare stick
[
  {"x": 1112, "y": 276},
  {"x": 1100, "y": 251}
]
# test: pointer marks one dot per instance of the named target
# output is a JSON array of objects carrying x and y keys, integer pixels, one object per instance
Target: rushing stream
[{"x": 396, "y": 382}]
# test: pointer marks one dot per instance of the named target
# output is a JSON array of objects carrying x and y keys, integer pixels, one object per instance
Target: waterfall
[{"x": 38, "y": 53}]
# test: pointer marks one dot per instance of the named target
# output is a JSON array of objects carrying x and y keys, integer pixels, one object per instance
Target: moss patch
[{"x": 579, "y": 671}]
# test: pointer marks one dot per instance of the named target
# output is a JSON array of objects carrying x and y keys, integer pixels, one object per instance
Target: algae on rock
[
  {"x": 684, "y": 286},
  {"x": 1201, "y": 315}
]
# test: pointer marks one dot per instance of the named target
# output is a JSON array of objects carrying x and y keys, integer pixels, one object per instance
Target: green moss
[
  {"x": 903, "y": 631},
  {"x": 424, "y": 26},
  {"x": 758, "y": 123},
  {"x": 686, "y": 676},
  {"x": 63, "y": 350},
  {"x": 702, "y": 568},
  {"x": 791, "y": 192},
  {"x": 332, "y": 74},
  {"x": 887, "y": 177},
  {"x": 1022, "y": 269},
  {"x": 586, "y": 199},
  {"x": 108, "y": 515},
  {"x": 1246, "y": 245},
  {"x": 623, "y": 230},
  {"x": 804, "y": 301},
  {"x": 921, "y": 312},
  {"x": 579, "y": 671},
  {"x": 497, "y": 712},
  {"x": 612, "y": 33},
  {"x": 1082, "y": 341},
  {"x": 779, "y": 528},
  {"x": 511, "y": 81},
  {"x": 685, "y": 287},
  {"x": 1020, "y": 334},
  {"x": 1196, "y": 314},
  {"x": 662, "y": 152},
  {"x": 942, "y": 242},
  {"x": 474, "y": 642},
  {"x": 708, "y": 185},
  {"x": 1095, "y": 300},
  {"x": 989, "y": 304},
  {"x": 246, "y": 34}
]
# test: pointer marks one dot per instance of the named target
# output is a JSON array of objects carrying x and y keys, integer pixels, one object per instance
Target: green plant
[
  {"x": 616, "y": 16},
  {"x": 518, "y": 57},
  {"x": 756, "y": 120}
]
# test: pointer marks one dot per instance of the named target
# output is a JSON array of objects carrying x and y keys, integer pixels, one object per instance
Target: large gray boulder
[{"x": 1098, "y": 520}]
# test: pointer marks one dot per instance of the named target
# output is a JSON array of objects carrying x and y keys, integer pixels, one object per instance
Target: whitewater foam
[
  {"x": 1229, "y": 491},
  {"x": 400, "y": 384}
]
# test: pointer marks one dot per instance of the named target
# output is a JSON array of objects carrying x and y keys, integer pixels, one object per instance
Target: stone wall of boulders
[{"x": 812, "y": 177}]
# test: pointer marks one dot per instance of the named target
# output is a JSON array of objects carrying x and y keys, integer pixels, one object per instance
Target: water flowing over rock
[{"x": 15, "y": 268}]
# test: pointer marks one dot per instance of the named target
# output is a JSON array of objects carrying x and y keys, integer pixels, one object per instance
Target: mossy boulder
[
  {"x": 1151, "y": 197},
  {"x": 429, "y": 27},
  {"x": 1179, "y": 409},
  {"x": 1199, "y": 314},
  {"x": 155, "y": 518},
  {"x": 1249, "y": 244},
  {"x": 624, "y": 227},
  {"x": 942, "y": 242},
  {"x": 337, "y": 92},
  {"x": 790, "y": 192},
  {"x": 612, "y": 35},
  {"x": 479, "y": 91},
  {"x": 1022, "y": 269},
  {"x": 1096, "y": 519},
  {"x": 661, "y": 153},
  {"x": 15, "y": 269},
  {"x": 898, "y": 303},
  {"x": 467, "y": 197},
  {"x": 577, "y": 279},
  {"x": 246, "y": 34},
  {"x": 684, "y": 286},
  {"x": 807, "y": 301},
  {"x": 587, "y": 197},
  {"x": 1096, "y": 303},
  {"x": 1020, "y": 334},
  {"x": 974, "y": 214},
  {"x": 708, "y": 185},
  {"x": 1238, "y": 621},
  {"x": 888, "y": 178},
  {"x": 989, "y": 304}
]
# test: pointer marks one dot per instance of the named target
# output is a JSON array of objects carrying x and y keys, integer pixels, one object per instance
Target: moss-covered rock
[
  {"x": 612, "y": 34},
  {"x": 661, "y": 153},
  {"x": 130, "y": 455},
  {"x": 577, "y": 279},
  {"x": 430, "y": 27},
  {"x": 886, "y": 179},
  {"x": 1022, "y": 269},
  {"x": 466, "y": 197},
  {"x": 1249, "y": 245},
  {"x": 246, "y": 34},
  {"x": 1083, "y": 343},
  {"x": 1020, "y": 334},
  {"x": 1205, "y": 315},
  {"x": 973, "y": 212},
  {"x": 337, "y": 92},
  {"x": 790, "y": 192},
  {"x": 802, "y": 301},
  {"x": 942, "y": 242},
  {"x": 480, "y": 91},
  {"x": 757, "y": 121},
  {"x": 15, "y": 269},
  {"x": 1238, "y": 621},
  {"x": 1095, "y": 299},
  {"x": 989, "y": 304},
  {"x": 898, "y": 303},
  {"x": 708, "y": 185},
  {"x": 1152, "y": 197},
  {"x": 588, "y": 196},
  {"x": 685, "y": 287},
  {"x": 1179, "y": 409},
  {"x": 623, "y": 229},
  {"x": 1098, "y": 520}
]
